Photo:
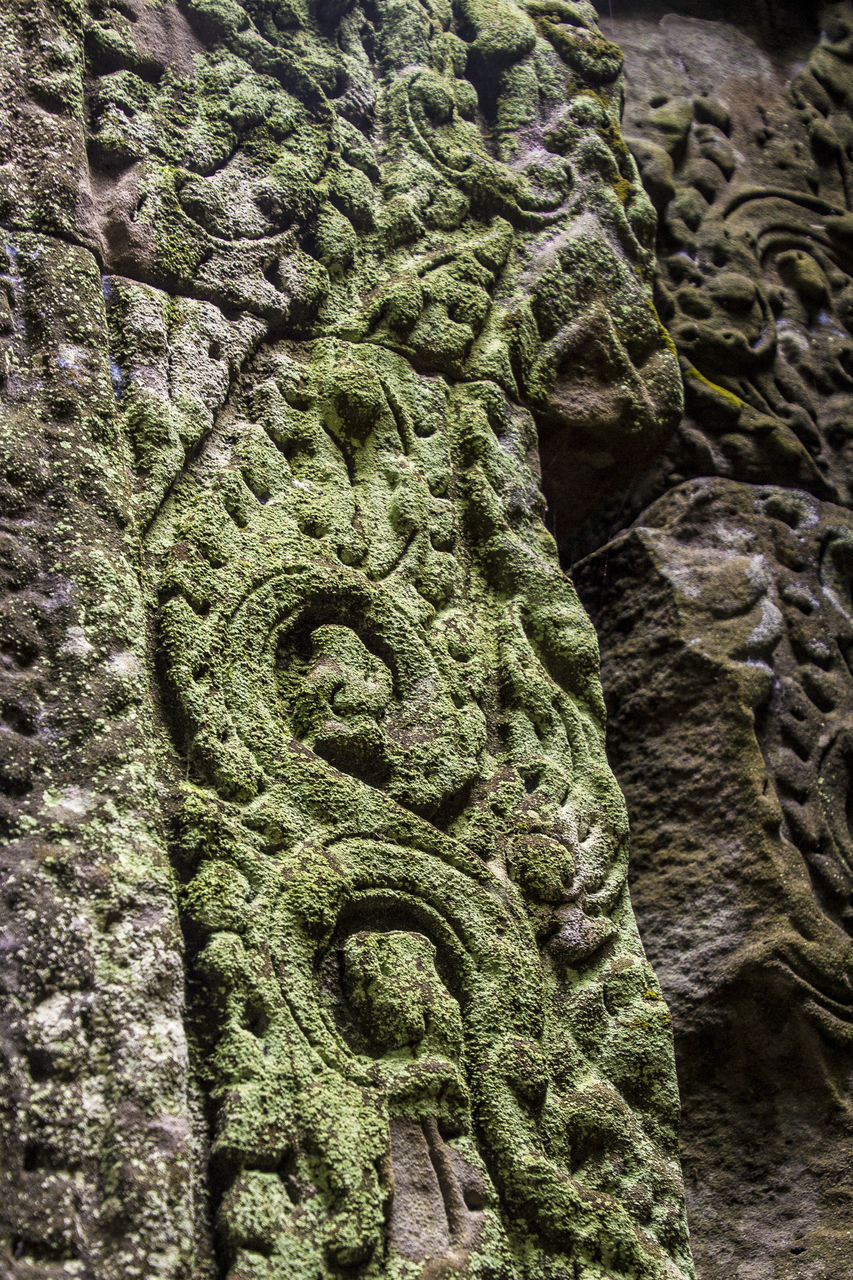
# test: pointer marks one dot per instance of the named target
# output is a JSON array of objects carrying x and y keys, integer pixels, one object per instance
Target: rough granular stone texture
[
  {"x": 719, "y": 581},
  {"x": 741, "y": 125},
  {"x": 320, "y": 955},
  {"x": 734, "y": 748}
]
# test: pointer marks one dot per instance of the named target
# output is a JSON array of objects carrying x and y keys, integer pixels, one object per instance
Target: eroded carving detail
[
  {"x": 352, "y": 257},
  {"x": 720, "y": 589},
  {"x": 411, "y": 781},
  {"x": 750, "y": 172}
]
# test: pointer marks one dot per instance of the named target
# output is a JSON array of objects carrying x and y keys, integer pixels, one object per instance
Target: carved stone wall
[
  {"x": 320, "y": 954},
  {"x": 719, "y": 581}
]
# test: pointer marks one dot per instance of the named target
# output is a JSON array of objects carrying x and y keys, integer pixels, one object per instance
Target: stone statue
[{"x": 290, "y": 295}]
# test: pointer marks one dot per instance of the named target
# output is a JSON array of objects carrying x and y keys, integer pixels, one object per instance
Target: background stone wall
[{"x": 719, "y": 582}]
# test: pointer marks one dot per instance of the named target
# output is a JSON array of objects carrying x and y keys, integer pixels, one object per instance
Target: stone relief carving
[
  {"x": 750, "y": 175},
  {"x": 746, "y": 589},
  {"x": 352, "y": 257},
  {"x": 405, "y": 744},
  {"x": 720, "y": 585}
]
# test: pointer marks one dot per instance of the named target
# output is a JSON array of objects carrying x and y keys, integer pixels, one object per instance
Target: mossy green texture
[
  {"x": 407, "y": 881},
  {"x": 378, "y": 243},
  {"x": 97, "y": 1166}
]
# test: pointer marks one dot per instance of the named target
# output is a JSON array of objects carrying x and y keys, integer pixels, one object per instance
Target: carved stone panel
[
  {"x": 351, "y": 258},
  {"x": 720, "y": 588}
]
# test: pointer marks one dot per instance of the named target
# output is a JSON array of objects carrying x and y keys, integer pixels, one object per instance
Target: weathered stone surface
[
  {"x": 726, "y": 625},
  {"x": 97, "y": 1138},
  {"x": 290, "y": 290},
  {"x": 724, "y": 614},
  {"x": 731, "y": 126}
]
